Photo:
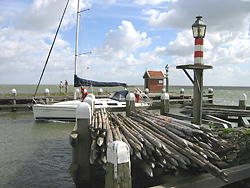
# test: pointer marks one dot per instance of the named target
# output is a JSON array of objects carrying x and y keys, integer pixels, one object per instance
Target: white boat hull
[
  {"x": 59, "y": 111},
  {"x": 66, "y": 111}
]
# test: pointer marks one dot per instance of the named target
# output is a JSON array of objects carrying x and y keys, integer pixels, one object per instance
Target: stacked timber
[
  {"x": 156, "y": 140},
  {"x": 218, "y": 111}
]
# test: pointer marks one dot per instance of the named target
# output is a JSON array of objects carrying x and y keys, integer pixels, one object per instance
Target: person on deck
[
  {"x": 60, "y": 87},
  {"x": 137, "y": 96},
  {"x": 84, "y": 93},
  {"x": 66, "y": 86}
]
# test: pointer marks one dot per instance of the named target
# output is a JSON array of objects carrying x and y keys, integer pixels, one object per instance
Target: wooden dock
[
  {"x": 19, "y": 103},
  {"x": 163, "y": 142}
]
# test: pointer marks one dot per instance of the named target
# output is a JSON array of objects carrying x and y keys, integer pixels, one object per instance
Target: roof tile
[{"x": 155, "y": 74}]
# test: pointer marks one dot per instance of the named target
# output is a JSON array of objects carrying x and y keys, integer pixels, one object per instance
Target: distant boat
[{"x": 67, "y": 110}]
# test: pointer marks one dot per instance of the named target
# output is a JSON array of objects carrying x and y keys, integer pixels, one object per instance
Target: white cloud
[
  {"x": 226, "y": 40},
  {"x": 26, "y": 41},
  {"x": 226, "y": 76},
  {"x": 118, "y": 43},
  {"x": 131, "y": 46},
  {"x": 151, "y": 2},
  {"x": 182, "y": 46},
  {"x": 219, "y": 16}
]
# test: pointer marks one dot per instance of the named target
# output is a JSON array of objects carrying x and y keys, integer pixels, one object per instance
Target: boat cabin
[{"x": 153, "y": 80}]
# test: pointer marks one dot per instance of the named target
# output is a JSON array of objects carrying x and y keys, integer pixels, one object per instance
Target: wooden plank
[
  {"x": 236, "y": 173},
  {"x": 216, "y": 119},
  {"x": 244, "y": 122}
]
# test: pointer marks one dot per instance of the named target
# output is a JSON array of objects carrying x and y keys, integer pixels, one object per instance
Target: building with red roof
[{"x": 153, "y": 80}]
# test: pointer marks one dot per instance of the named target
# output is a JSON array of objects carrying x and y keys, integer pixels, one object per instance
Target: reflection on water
[{"x": 34, "y": 154}]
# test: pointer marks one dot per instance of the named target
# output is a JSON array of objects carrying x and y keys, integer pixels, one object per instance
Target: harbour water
[
  {"x": 226, "y": 95},
  {"x": 38, "y": 154},
  {"x": 34, "y": 154}
]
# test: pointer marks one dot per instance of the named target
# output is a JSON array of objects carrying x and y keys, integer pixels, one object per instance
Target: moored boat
[{"x": 67, "y": 110}]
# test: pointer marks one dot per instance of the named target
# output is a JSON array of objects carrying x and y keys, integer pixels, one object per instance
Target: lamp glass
[{"x": 199, "y": 28}]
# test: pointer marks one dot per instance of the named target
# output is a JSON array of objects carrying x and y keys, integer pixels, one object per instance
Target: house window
[{"x": 160, "y": 81}]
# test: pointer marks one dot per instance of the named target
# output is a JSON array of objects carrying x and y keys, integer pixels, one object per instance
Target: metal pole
[
  {"x": 76, "y": 45},
  {"x": 167, "y": 81}
]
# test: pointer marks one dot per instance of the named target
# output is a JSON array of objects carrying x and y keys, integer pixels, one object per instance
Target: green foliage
[
  {"x": 247, "y": 131},
  {"x": 226, "y": 130},
  {"x": 212, "y": 125}
]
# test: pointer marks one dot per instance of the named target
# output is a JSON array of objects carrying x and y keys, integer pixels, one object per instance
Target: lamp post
[
  {"x": 199, "y": 30},
  {"x": 167, "y": 68}
]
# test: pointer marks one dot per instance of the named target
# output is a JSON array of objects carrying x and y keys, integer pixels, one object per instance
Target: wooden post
[
  {"x": 118, "y": 173},
  {"x": 91, "y": 103},
  {"x": 13, "y": 93},
  {"x": 164, "y": 103},
  {"x": 243, "y": 101},
  {"x": 198, "y": 87},
  {"x": 210, "y": 97},
  {"x": 198, "y": 96},
  {"x": 242, "y": 106},
  {"x": 46, "y": 93},
  {"x": 130, "y": 104},
  {"x": 80, "y": 168}
]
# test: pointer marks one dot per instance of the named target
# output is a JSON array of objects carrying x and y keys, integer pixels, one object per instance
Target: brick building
[{"x": 153, "y": 80}]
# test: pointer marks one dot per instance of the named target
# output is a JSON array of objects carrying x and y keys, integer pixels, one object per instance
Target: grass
[
  {"x": 247, "y": 132},
  {"x": 226, "y": 130}
]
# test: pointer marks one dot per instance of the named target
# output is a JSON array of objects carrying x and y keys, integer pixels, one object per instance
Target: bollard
[
  {"x": 211, "y": 94},
  {"x": 182, "y": 91},
  {"x": 118, "y": 173},
  {"x": 163, "y": 90},
  {"x": 146, "y": 91},
  {"x": 13, "y": 93},
  {"x": 243, "y": 101},
  {"x": 130, "y": 103},
  {"x": 182, "y": 95},
  {"x": 46, "y": 93},
  {"x": 77, "y": 93},
  {"x": 91, "y": 95},
  {"x": 242, "y": 106},
  {"x": 80, "y": 140},
  {"x": 164, "y": 103},
  {"x": 90, "y": 101},
  {"x": 100, "y": 92}
]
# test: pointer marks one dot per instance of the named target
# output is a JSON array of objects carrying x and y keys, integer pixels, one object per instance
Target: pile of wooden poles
[{"x": 154, "y": 139}]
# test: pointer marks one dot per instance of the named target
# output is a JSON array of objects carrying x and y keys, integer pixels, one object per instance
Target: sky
[{"x": 125, "y": 38}]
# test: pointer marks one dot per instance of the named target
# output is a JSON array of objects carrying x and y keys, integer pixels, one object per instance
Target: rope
[{"x": 51, "y": 48}]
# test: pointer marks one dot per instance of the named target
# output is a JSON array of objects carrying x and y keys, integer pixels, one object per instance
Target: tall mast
[
  {"x": 76, "y": 47},
  {"x": 77, "y": 34}
]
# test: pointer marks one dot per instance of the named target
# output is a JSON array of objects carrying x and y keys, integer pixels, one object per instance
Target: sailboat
[{"x": 67, "y": 110}]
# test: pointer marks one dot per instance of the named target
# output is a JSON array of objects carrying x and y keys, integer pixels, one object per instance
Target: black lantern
[
  {"x": 199, "y": 28},
  {"x": 166, "y": 68}
]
